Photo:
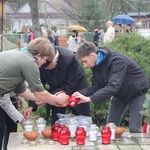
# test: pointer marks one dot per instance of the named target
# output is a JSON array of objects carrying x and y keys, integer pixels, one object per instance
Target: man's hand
[
  {"x": 62, "y": 99},
  {"x": 39, "y": 103},
  {"x": 83, "y": 99},
  {"x": 20, "y": 104},
  {"x": 27, "y": 112},
  {"x": 22, "y": 123},
  {"x": 57, "y": 93}
]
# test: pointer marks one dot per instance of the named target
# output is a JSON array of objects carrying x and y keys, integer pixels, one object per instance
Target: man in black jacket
[
  {"x": 115, "y": 76},
  {"x": 96, "y": 36},
  {"x": 66, "y": 74}
]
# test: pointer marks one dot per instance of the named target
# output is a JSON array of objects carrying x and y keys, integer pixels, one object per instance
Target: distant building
[
  {"x": 142, "y": 17},
  {"x": 51, "y": 13},
  {"x": 142, "y": 22}
]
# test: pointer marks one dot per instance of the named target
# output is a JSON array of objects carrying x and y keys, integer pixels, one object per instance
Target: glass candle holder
[
  {"x": 28, "y": 128},
  {"x": 80, "y": 136},
  {"x": 54, "y": 130},
  {"x": 106, "y": 134},
  {"x": 64, "y": 136}
]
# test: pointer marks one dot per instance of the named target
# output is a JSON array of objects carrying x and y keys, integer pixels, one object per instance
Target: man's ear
[
  {"x": 93, "y": 54},
  {"x": 38, "y": 55}
]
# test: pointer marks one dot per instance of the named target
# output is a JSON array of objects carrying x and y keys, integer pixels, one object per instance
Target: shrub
[
  {"x": 134, "y": 46},
  {"x": 41, "y": 111}
]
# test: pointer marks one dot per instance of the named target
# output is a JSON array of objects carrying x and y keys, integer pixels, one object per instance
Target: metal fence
[{"x": 13, "y": 41}]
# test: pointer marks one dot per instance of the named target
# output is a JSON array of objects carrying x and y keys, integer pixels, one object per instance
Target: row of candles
[{"x": 62, "y": 133}]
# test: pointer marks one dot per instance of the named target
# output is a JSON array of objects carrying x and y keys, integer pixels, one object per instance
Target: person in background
[
  {"x": 73, "y": 41},
  {"x": 96, "y": 36},
  {"x": 115, "y": 76},
  {"x": 23, "y": 65},
  {"x": 82, "y": 38},
  {"x": 50, "y": 36},
  {"x": 118, "y": 28},
  {"x": 43, "y": 30},
  {"x": 129, "y": 28},
  {"x": 110, "y": 33},
  {"x": 56, "y": 41},
  {"x": 11, "y": 126},
  {"x": 31, "y": 35},
  {"x": 101, "y": 37},
  {"x": 73, "y": 78}
]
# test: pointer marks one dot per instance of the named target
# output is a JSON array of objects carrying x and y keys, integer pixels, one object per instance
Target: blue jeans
[{"x": 117, "y": 108}]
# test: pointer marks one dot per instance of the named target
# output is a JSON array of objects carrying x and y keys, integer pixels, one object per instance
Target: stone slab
[
  {"x": 128, "y": 141},
  {"x": 16, "y": 138},
  {"x": 129, "y": 147},
  {"x": 108, "y": 147},
  {"x": 145, "y": 147}
]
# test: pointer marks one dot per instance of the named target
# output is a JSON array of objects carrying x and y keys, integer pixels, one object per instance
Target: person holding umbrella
[
  {"x": 129, "y": 28},
  {"x": 123, "y": 19},
  {"x": 73, "y": 41}
]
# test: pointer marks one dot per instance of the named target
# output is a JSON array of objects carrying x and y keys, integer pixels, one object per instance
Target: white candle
[
  {"x": 93, "y": 135},
  {"x": 72, "y": 129},
  {"x": 28, "y": 127},
  {"x": 113, "y": 131},
  {"x": 40, "y": 127}
]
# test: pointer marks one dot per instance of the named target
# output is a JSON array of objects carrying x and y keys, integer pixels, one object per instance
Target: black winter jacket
[
  {"x": 117, "y": 75},
  {"x": 68, "y": 76}
]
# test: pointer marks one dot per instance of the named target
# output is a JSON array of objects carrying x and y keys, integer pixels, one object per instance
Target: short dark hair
[
  {"x": 100, "y": 28},
  {"x": 74, "y": 30},
  {"x": 85, "y": 49}
]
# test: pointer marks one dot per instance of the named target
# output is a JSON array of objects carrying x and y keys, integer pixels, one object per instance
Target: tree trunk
[{"x": 35, "y": 16}]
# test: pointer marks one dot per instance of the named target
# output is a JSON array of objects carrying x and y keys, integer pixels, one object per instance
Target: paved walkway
[{"x": 128, "y": 141}]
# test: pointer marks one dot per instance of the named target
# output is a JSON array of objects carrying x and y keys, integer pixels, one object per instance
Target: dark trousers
[
  {"x": 7, "y": 125},
  {"x": 55, "y": 110},
  {"x": 2, "y": 126},
  {"x": 117, "y": 108}
]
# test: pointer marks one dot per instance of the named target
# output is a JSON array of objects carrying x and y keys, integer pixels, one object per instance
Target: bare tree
[{"x": 35, "y": 16}]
